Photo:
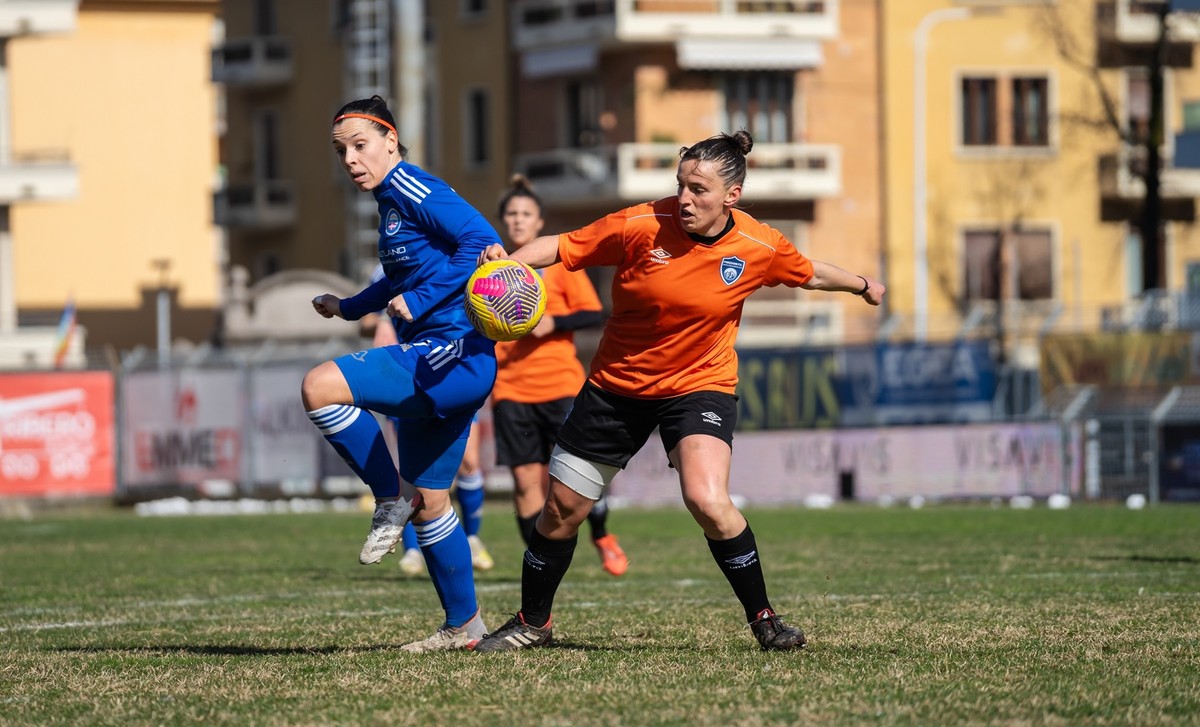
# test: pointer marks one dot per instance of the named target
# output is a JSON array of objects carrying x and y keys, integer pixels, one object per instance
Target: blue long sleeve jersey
[{"x": 429, "y": 241}]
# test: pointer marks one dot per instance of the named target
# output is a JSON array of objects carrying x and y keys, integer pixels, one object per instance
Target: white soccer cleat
[
  {"x": 387, "y": 525},
  {"x": 412, "y": 563},
  {"x": 481, "y": 559},
  {"x": 449, "y": 638}
]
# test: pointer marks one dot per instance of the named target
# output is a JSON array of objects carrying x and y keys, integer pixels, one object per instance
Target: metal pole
[
  {"x": 163, "y": 313},
  {"x": 920, "y": 190}
]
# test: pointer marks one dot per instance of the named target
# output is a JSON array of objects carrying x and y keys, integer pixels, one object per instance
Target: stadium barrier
[{"x": 867, "y": 422}]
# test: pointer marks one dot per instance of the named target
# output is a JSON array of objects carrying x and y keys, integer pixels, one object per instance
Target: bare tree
[{"x": 1146, "y": 142}]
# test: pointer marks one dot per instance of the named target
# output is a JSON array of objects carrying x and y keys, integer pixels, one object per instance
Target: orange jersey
[
  {"x": 677, "y": 303},
  {"x": 536, "y": 370}
]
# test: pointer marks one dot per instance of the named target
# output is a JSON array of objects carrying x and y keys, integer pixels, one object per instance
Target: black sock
[
  {"x": 525, "y": 525},
  {"x": 546, "y": 562},
  {"x": 597, "y": 519},
  {"x": 738, "y": 560}
]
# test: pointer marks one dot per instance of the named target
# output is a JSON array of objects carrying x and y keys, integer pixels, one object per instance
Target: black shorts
[
  {"x": 525, "y": 433},
  {"x": 609, "y": 428}
]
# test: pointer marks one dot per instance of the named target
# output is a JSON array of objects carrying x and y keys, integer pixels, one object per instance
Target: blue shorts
[{"x": 433, "y": 397}]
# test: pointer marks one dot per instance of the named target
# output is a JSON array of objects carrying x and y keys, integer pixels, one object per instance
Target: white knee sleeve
[{"x": 583, "y": 476}]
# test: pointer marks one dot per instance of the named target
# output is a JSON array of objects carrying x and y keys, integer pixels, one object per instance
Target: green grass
[{"x": 946, "y": 615}]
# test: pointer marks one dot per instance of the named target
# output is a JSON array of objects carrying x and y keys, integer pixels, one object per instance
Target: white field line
[{"x": 143, "y": 605}]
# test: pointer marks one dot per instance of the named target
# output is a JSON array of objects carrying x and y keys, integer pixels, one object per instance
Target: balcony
[
  {"x": 540, "y": 24},
  {"x": 630, "y": 173},
  {"x": 1136, "y": 21},
  {"x": 44, "y": 176},
  {"x": 258, "y": 206},
  {"x": 1122, "y": 189},
  {"x": 26, "y": 17},
  {"x": 259, "y": 61}
]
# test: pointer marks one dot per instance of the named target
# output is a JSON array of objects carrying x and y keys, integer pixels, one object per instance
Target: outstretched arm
[
  {"x": 827, "y": 276},
  {"x": 540, "y": 253}
]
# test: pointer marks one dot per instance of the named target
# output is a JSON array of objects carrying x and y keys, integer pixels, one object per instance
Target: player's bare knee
[
  {"x": 319, "y": 386},
  {"x": 436, "y": 504}
]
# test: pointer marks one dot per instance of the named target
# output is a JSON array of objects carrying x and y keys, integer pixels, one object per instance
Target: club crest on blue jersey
[
  {"x": 731, "y": 269},
  {"x": 392, "y": 225}
]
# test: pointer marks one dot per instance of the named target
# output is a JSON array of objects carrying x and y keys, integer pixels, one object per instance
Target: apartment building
[
  {"x": 606, "y": 93},
  {"x": 1013, "y": 195},
  {"x": 108, "y": 154}
]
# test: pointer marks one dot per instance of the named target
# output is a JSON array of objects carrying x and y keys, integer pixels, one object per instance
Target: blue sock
[
  {"x": 356, "y": 436},
  {"x": 448, "y": 559},
  {"x": 409, "y": 536},
  {"x": 470, "y": 501}
]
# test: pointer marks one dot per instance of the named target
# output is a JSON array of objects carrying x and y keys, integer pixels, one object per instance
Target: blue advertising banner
[{"x": 889, "y": 384}]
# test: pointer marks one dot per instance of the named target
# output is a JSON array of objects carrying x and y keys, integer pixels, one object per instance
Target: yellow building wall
[
  {"x": 128, "y": 96},
  {"x": 1056, "y": 189}
]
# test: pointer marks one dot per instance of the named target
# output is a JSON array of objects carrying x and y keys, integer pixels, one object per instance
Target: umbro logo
[
  {"x": 660, "y": 255},
  {"x": 711, "y": 418},
  {"x": 741, "y": 561},
  {"x": 359, "y": 356}
]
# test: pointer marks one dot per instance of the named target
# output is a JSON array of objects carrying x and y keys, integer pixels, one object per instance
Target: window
[
  {"x": 1034, "y": 265},
  {"x": 761, "y": 103},
  {"x": 266, "y": 145},
  {"x": 584, "y": 102},
  {"x": 979, "y": 112},
  {"x": 1137, "y": 103},
  {"x": 264, "y": 17},
  {"x": 478, "y": 152},
  {"x": 984, "y": 263},
  {"x": 1030, "y": 119},
  {"x": 981, "y": 265}
]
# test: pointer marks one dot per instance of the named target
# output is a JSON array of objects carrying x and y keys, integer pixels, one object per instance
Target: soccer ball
[{"x": 505, "y": 299}]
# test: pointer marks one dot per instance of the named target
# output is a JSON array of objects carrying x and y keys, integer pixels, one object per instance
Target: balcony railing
[
  {"x": 41, "y": 176},
  {"x": 257, "y": 61},
  {"x": 260, "y": 205},
  {"x": 25, "y": 17},
  {"x": 1136, "y": 21},
  {"x": 640, "y": 172},
  {"x": 1120, "y": 176},
  {"x": 545, "y": 23}
]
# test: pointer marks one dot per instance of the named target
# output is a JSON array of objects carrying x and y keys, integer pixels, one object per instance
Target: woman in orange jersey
[
  {"x": 539, "y": 375},
  {"x": 685, "y": 265}
]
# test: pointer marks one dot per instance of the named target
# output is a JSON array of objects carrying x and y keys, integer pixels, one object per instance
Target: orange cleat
[{"x": 611, "y": 556}]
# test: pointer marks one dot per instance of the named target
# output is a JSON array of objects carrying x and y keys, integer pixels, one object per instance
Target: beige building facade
[
  {"x": 1007, "y": 187},
  {"x": 115, "y": 102}
]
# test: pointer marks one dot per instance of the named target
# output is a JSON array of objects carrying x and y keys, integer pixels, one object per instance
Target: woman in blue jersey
[{"x": 433, "y": 380}]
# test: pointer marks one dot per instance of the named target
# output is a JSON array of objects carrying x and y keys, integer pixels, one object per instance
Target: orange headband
[{"x": 376, "y": 119}]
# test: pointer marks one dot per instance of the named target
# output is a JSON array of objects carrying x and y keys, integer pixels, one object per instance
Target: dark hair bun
[{"x": 741, "y": 138}]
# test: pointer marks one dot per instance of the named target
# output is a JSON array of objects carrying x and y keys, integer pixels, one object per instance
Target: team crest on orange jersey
[{"x": 731, "y": 269}]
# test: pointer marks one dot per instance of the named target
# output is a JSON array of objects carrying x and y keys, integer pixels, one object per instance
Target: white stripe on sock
[
  {"x": 436, "y": 531},
  {"x": 473, "y": 481},
  {"x": 334, "y": 418}
]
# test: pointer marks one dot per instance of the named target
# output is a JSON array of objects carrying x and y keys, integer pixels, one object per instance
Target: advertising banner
[
  {"x": 888, "y": 384},
  {"x": 182, "y": 427},
  {"x": 56, "y": 434},
  {"x": 974, "y": 461},
  {"x": 1120, "y": 360},
  {"x": 283, "y": 445}
]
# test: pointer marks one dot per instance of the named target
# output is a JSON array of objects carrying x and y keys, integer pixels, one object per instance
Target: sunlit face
[
  {"x": 522, "y": 221},
  {"x": 704, "y": 200},
  {"x": 366, "y": 155}
]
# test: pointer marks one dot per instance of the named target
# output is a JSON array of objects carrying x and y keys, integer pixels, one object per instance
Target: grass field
[{"x": 945, "y": 615}]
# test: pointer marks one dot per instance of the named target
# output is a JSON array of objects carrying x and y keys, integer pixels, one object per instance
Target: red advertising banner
[{"x": 56, "y": 434}]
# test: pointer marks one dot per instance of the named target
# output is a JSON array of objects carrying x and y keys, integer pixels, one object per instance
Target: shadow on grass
[
  {"x": 240, "y": 650},
  {"x": 1150, "y": 558}
]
